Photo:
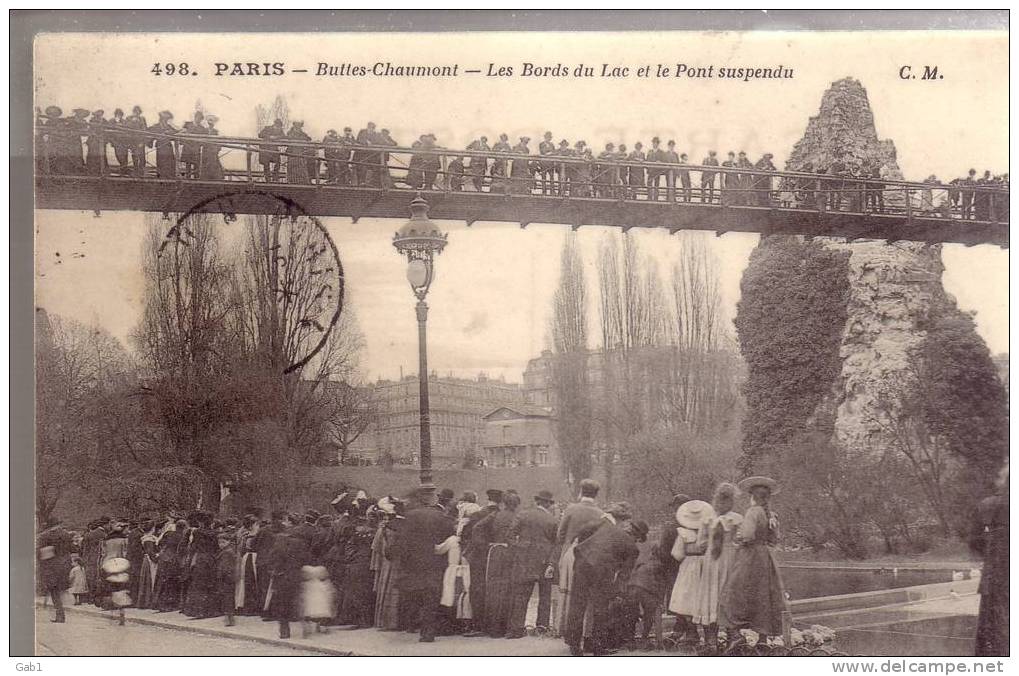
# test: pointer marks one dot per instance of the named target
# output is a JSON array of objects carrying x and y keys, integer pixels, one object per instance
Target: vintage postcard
[{"x": 544, "y": 343}]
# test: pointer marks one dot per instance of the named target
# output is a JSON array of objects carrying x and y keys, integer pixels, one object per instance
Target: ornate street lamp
[{"x": 420, "y": 240}]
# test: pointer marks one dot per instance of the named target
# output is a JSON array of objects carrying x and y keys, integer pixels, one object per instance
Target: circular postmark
[{"x": 286, "y": 279}]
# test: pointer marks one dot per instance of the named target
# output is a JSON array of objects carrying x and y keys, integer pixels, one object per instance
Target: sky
[{"x": 491, "y": 298}]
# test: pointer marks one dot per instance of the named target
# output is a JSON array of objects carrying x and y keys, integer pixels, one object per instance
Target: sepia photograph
[{"x": 675, "y": 341}]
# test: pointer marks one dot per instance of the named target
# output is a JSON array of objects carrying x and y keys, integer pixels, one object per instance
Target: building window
[
  {"x": 542, "y": 456},
  {"x": 505, "y": 432}
]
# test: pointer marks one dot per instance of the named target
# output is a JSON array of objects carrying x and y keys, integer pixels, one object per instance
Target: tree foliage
[
  {"x": 570, "y": 364},
  {"x": 789, "y": 320}
]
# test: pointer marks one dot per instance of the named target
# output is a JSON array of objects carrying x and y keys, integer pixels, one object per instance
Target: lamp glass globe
[{"x": 417, "y": 273}]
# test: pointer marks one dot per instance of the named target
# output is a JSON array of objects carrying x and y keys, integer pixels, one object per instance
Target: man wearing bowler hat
[
  {"x": 421, "y": 569},
  {"x": 532, "y": 539}
]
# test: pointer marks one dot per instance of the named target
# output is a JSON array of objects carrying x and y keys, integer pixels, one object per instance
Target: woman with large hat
[
  {"x": 694, "y": 518},
  {"x": 753, "y": 597},
  {"x": 718, "y": 560}
]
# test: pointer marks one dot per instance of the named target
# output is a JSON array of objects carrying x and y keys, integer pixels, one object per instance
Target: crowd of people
[
  {"x": 79, "y": 145},
  {"x": 437, "y": 566}
]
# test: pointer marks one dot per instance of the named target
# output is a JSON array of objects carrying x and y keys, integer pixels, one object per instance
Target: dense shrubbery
[
  {"x": 789, "y": 320},
  {"x": 940, "y": 428}
]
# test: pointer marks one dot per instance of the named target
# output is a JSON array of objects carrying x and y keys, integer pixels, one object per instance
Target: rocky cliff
[{"x": 892, "y": 286}]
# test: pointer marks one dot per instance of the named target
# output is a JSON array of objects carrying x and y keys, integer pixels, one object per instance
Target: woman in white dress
[
  {"x": 718, "y": 560},
  {"x": 694, "y": 518}
]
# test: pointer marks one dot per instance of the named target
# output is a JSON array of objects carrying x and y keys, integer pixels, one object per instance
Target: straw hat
[
  {"x": 754, "y": 481},
  {"x": 694, "y": 513}
]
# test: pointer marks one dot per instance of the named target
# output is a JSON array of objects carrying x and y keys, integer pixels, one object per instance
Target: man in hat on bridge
[
  {"x": 520, "y": 169},
  {"x": 546, "y": 168},
  {"x": 708, "y": 177},
  {"x": 136, "y": 122},
  {"x": 421, "y": 569},
  {"x": 332, "y": 155},
  {"x": 269, "y": 154},
  {"x": 166, "y": 156},
  {"x": 95, "y": 144},
  {"x": 532, "y": 539}
]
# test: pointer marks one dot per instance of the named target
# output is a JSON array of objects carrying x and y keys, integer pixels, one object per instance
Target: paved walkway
[
  {"x": 89, "y": 634},
  {"x": 943, "y": 625},
  {"x": 337, "y": 642}
]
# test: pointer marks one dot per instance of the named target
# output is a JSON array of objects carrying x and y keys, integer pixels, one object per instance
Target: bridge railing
[{"x": 59, "y": 151}]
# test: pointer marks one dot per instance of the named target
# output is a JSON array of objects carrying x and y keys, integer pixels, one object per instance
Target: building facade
[
  {"x": 520, "y": 435},
  {"x": 457, "y": 406}
]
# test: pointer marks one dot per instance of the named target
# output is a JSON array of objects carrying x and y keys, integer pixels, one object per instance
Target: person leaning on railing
[
  {"x": 166, "y": 157},
  {"x": 269, "y": 154},
  {"x": 546, "y": 168},
  {"x": 95, "y": 144},
  {"x": 708, "y": 177},
  {"x": 136, "y": 140},
  {"x": 191, "y": 151},
  {"x": 520, "y": 170},
  {"x": 637, "y": 177}
]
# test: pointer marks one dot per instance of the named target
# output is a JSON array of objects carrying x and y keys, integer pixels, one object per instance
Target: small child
[
  {"x": 318, "y": 598},
  {"x": 79, "y": 583}
]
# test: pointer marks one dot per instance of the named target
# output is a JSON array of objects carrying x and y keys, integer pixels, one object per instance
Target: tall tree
[
  {"x": 82, "y": 375},
  {"x": 187, "y": 350},
  {"x": 570, "y": 364}
]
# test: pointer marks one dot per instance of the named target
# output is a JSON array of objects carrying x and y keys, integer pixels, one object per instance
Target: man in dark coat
[
  {"x": 990, "y": 538},
  {"x": 475, "y": 547},
  {"x": 53, "y": 550},
  {"x": 289, "y": 553},
  {"x": 967, "y": 195},
  {"x": 298, "y": 156},
  {"x": 762, "y": 182},
  {"x": 655, "y": 154},
  {"x": 604, "y": 555},
  {"x": 91, "y": 552},
  {"x": 166, "y": 157},
  {"x": 708, "y": 177},
  {"x": 365, "y": 162},
  {"x": 532, "y": 539},
  {"x": 479, "y": 163},
  {"x": 135, "y": 555},
  {"x": 136, "y": 122},
  {"x": 546, "y": 167},
  {"x": 262, "y": 545},
  {"x": 190, "y": 151},
  {"x": 421, "y": 569},
  {"x": 684, "y": 179},
  {"x": 520, "y": 169},
  {"x": 668, "y": 566},
  {"x": 332, "y": 156},
  {"x": 672, "y": 157},
  {"x": 95, "y": 144},
  {"x": 307, "y": 530},
  {"x": 269, "y": 154}
]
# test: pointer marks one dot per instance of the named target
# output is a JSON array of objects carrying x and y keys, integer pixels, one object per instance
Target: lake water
[{"x": 812, "y": 582}]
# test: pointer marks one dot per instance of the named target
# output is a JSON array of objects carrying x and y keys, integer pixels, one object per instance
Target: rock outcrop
[{"x": 892, "y": 286}]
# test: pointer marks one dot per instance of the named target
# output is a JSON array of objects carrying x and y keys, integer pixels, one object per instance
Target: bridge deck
[{"x": 114, "y": 193}]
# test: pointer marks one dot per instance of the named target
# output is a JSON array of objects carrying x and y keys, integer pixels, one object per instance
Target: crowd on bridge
[
  {"x": 79, "y": 144},
  {"x": 438, "y": 566}
]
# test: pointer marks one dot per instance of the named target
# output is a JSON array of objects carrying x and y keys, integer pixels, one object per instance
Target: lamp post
[{"x": 420, "y": 240}]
